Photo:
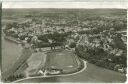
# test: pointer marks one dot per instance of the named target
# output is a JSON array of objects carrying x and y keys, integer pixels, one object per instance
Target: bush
[
  {"x": 72, "y": 45},
  {"x": 42, "y": 44}
]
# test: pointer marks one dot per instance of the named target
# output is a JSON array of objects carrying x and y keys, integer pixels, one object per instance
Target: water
[
  {"x": 13, "y": 55},
  {"x": 10, "y": 52}
]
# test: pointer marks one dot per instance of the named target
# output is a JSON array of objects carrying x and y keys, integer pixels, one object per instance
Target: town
[{"x": 98, "y": 38}]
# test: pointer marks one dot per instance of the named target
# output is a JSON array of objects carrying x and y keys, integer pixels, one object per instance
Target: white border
[
  {"x": 64, "y": 5},
  {"x": 88, "y": 4}
]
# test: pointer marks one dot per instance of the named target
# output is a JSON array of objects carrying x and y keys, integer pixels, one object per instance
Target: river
[
  {"x": 13, "y": 56},
  {"x": 11, "y": 51}
]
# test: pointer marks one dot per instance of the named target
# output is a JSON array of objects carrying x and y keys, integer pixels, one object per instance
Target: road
[
  {"x": 92, "y": 74},
  {"x": 61, "y": 60},
  {"x": 58, "y": 59}
]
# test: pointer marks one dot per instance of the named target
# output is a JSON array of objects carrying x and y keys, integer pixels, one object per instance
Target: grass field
[
  {"x": 92, "y": 74},
  {"x": 62, "y": 59},
  {"x": 36, "y": 61}
]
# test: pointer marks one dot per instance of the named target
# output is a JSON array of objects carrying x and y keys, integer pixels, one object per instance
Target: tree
[{"x": 8, "y": 26}]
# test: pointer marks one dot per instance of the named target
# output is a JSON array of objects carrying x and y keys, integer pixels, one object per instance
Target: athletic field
[{"x": 61, "y": 59}]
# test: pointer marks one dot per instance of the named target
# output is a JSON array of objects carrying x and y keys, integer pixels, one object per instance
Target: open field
[
  {"x": 62, "y": 59},
  {"x": 92, "y": 74}
]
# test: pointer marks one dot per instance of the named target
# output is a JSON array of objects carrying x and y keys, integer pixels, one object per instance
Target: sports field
[
  {"x": 62, "y": 59},
  {"x": 65, "y": 60},
  {"x": 92, "y": 74}
]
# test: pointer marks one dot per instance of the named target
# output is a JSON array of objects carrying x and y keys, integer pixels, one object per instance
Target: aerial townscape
[{"x": 60, "y": 41}]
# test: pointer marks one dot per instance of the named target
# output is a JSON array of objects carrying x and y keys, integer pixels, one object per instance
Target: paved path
[
  {"x": 59, "y": 59},
  {"x": 49, "y": 76},
  {"x": 90, "y": 74}
]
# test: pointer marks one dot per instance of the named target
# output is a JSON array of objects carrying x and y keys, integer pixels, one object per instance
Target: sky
[{"x": 64, "y": 4}]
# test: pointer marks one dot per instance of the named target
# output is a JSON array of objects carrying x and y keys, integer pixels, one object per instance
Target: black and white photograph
[{"x": 63, "y": 42}]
